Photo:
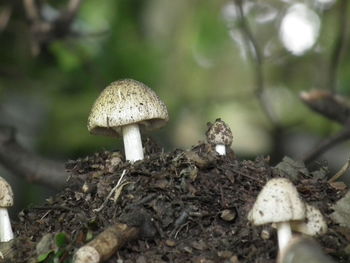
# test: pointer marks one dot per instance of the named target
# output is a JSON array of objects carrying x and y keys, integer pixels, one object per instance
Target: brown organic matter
[{"x": 177, "y": 200}]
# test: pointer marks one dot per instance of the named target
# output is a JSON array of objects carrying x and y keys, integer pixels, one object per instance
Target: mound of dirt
[{"x": 195, "y": 202}]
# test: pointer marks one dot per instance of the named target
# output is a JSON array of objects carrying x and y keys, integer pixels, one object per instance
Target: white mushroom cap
[
  {"x": 6, "y": 194},
  {"x": 315, "y": 223},
  {"x": 126, "y": 102},
  {"x": 219, "y": 133},
  {"x": 278, "y": 201}
]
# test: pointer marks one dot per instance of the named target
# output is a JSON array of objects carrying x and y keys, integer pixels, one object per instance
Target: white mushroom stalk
[
  {"x": 220, "y": 149},
  {"x": 6, "y": 233},
  {"x": 6, "y": 200},
  {"x": 284, "y": 234},
  {"x": 132, "y": 142}
]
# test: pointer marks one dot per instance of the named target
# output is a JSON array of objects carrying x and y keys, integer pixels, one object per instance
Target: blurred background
[{"x": 243, "y": 61}]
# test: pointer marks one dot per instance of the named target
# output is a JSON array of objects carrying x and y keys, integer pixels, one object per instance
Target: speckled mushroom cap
[
  {"x": 126, "y": 102},
  {"x": 315, "y": 224},
  {"x": 6, "y": 194},
  {"x": 219, "y": 133},
  {"x": 278, "y": 201}
]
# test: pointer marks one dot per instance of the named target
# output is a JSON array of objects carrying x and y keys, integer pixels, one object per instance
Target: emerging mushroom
[
  {"x": 278, "y": 202},
  {"x": 220, "y": 135},
  {"x": 123, "y": 108},
  {"x": 314, "y": 225},
  {"x": 6, "y": 200}
]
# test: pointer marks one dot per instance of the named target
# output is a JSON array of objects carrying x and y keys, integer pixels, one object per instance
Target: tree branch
[
  {"x": 5, "y": 16},
  {"x": 339, "y": 46},
  {"x": 332, "y": 106},
  {"x": 43, "y": 32},
  {"x": 327, "y": 144},
  {"x": 22, "y": 163},
  {"x": 256, "y": 59},
  {"x": 31, "y": 10}
]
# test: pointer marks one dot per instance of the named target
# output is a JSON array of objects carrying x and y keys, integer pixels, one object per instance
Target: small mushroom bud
[{"x": 220, "y": 135}]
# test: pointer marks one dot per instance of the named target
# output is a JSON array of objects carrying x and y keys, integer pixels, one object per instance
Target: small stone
[
  {"x": 85, "y": 188},
  {"x": 228, "y": 215},
  {"x": 188, "y": 249},
  {"x": 201, "y": 259},
  {"x": 234, "y": 259},
  {"x": 199, "y": 245},
  {"x": 265, "y": 234},
  {"x": 170, "y": 243},
  {"x": 141, "y": 259},
  {"x": 347, "y": 250},
  {"x": 225, "y": 254}
]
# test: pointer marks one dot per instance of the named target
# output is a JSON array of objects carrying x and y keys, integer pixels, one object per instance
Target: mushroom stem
[
  {"x": 220, "y": 149},
  {"x": 284, "y": 234},
  {"x": 6, "y": 233},
  {"x": 132, "y": 142}
]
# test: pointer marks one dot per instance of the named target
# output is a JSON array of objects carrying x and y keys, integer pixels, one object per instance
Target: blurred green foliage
[{"x": 187, "y": 51}]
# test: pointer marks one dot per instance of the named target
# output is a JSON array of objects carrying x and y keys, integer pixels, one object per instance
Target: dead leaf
[
  {"x": 341, "y": 214},
  {"x": 292, "y": 168},
  {"x": 338, "y": 185}
]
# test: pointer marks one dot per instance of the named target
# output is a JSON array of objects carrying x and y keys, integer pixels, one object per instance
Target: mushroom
[
  {"x": 220, "y": 135},
  {"x": 301, "y": 249},
  {"x": 6, "y": 200},
  {"x": 314, "y": 225},
  {"x": 278, "y": 202},
  {"x": 122, "y": 109}
]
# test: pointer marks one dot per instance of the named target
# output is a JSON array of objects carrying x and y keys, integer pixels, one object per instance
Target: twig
[
  {"x": 339, "y": 46},
  {"x": 106, "y": 243},
  {"x": 144, "y": 200},
  {"x": 5, "y": 16},
  {"x": 119, "y": 184},
  {"x": 327, "y": 144},
  {"x": 333, "y": 107},
  {"x": 66, "y": 17},
  {"x": 31, "y": 10},
  {"x": 329, "y": 105},
  {"x": 341, "y": 172},
  {"x": 138, "y": 224},
  {"x": 257, "y": 61},
  {"x": 73, "y": 6}
]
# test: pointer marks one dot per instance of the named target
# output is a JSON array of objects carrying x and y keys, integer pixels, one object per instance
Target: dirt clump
[{"x": 194, "y": 204}]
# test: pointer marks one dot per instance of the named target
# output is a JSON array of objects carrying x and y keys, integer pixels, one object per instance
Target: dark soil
[{"x": 194, "y": 203}]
